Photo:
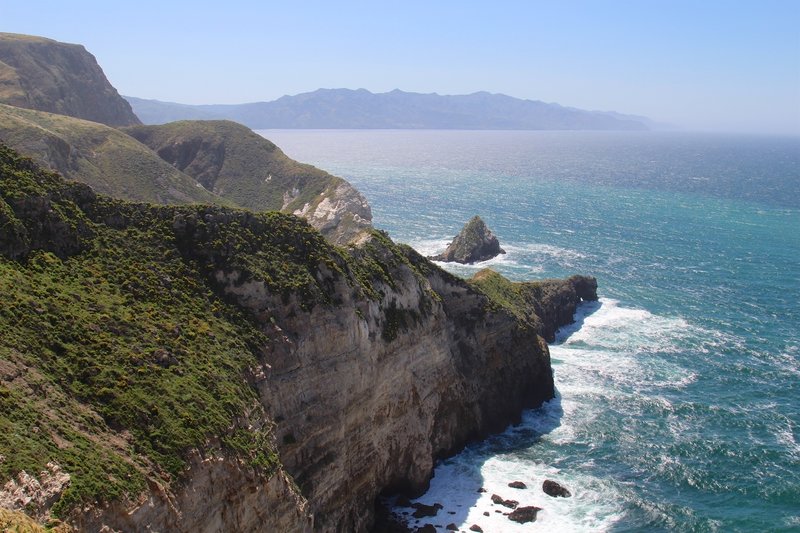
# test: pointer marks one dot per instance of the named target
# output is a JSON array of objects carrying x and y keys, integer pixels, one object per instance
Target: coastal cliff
[{"x": 199, "y": 368}]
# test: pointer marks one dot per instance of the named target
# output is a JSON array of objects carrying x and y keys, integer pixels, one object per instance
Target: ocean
[{"x": 678, "y": 404}]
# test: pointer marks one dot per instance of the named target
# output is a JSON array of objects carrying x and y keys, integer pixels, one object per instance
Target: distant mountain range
[{"x": 361, "y": 109}]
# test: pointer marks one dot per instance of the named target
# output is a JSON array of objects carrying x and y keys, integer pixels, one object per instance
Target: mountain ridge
[{"x": 362, "y": 109}]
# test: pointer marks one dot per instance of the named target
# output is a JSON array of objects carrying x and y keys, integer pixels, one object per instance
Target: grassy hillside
[
  {"x": 42, "y": 74},
  {"x": 119, "y": 353},
  {"x": 110, "y": 161},
  {"x": 236, "y": 163},
  {"x": 116, "y": 355}
]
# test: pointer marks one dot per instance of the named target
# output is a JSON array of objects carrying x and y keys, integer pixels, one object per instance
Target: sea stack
[{"x": 474, "y": 243}]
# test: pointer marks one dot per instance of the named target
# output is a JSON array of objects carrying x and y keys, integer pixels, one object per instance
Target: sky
[{"x": 701, "y": 64}]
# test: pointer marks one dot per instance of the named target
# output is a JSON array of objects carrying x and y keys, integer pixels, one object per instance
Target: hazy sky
[{"x": 732, "y": 65}]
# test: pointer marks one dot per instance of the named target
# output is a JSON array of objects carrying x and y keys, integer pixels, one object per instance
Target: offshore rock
[
  {"x": 511, "y": 504},
  {"x": 474, "y": 243},
  {"x": 524, "y": 514},
  {"x": 555, "y": 489}
]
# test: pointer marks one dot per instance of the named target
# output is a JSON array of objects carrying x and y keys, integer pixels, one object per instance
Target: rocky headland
[
  {"x": 475, "y": 242},
  {"x": 338, "y": 376},
  {"x": 197, "y": 366}
]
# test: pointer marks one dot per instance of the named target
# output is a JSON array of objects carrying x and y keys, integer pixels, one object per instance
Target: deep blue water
[{"x": 679, "y": 393}]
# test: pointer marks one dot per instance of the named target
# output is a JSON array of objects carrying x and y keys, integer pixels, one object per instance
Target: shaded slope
[
  {"x": 242, "y": 166},
  {"x": 110, "y": 161},
  {"x": 47, "y": 75}
]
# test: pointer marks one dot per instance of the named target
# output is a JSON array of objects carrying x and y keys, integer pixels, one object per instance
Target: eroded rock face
[
  {"x": 35, "y": 494},
  {"x": 369, "y": 393},
  {"x": 340, "y": 213},
  {"x": 474, "y": 243},
  {"x": 220, "y": 494},
  {"x": 240, "y": 165}
]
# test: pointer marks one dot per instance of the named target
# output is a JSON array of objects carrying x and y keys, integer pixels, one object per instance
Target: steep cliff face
[
  {"x": 47, "y": 75},
  {"x": 368, "y": 393},
  {"x": 209, "y": 369}
]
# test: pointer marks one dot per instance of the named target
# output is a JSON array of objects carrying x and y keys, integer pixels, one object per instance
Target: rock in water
[
  {"x": 555, "y": 489},
  {"x": 517, "y": 485},
  {"x": 474, "y": 243},
  {"x": 423, "y": 511},
  {"x": 524, "y": 514},
  {"x": 511, "y": 504}
]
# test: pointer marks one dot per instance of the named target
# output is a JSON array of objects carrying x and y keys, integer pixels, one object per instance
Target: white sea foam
[
  {"x": 562, "y": 255},
  {"x": 524, "y": 259},
  {"x": 456, "y": 483},
  {"x": 607, "y": 345},
  {"x": 596, "y": 360}
]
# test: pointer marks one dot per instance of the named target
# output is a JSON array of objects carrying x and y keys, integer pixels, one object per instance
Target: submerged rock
[
  {"x": 511, "y": 504},
  {"x": 555, "y": 489},
  {"x": 474, "y": 243},
  {"x": 423, "y": 510},
  {"x": 524, "y": 514}
]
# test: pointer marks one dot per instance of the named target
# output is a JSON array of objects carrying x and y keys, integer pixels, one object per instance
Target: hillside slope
[
  {"x": 197, "y": 368},
  {"x": 42, "y": 74},
  {"x": 242, "y": 166},
  {"x": 103, "y": 157}
]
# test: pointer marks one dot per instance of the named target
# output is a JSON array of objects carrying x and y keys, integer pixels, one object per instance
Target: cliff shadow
[
  {"x": 465, "y": 488},
  {"x": 585, "y": 309},
  {"x": 462, "y": 489}
]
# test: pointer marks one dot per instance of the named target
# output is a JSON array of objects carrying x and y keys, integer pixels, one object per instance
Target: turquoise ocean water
[{"x": 678, "y": 403}]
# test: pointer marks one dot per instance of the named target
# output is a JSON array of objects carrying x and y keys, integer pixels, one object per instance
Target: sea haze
[{"x": 678, "y": 403}]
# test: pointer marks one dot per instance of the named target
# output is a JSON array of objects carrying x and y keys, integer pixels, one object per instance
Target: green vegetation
[
  {"x": 110, "y": 161},
  {"x": 15, "y": 522},
  {"x": 120, "y": 350},
  {"x": 117, "y": 356},
  {"x": 518, "y": 298},
  {"x": 237, "y": 163}
]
